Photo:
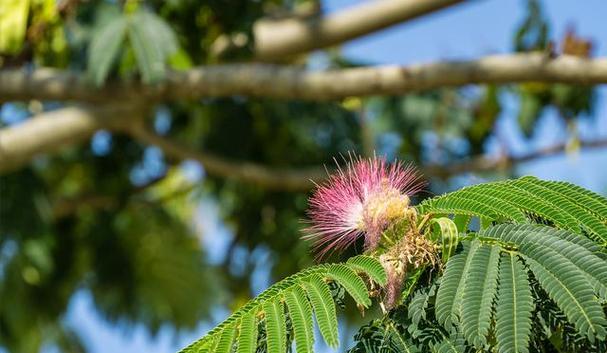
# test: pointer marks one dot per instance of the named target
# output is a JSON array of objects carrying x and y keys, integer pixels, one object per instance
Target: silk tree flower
[{"x": 362, "y": 199}]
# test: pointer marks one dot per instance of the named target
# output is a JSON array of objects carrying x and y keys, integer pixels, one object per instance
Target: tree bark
[
  {"x": 284, "y": 82},
  {"x": 275, "y": 39}
]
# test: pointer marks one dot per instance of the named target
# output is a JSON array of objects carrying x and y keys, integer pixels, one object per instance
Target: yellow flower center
[{"x": 382, "y": 207}]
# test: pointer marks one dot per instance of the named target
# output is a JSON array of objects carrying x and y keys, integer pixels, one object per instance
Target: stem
[{"x": 424, "y": 221}]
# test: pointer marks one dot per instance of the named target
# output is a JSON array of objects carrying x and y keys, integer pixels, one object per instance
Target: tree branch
[
  {"x": 50, "y": 131},
  {"x": 485, "y": 164},
  {"x": 275, "y": 39},
  {"x": 269, "y": 178},
  {"x": 300, "y": 179},
  {"x": 284, "y": 82}
]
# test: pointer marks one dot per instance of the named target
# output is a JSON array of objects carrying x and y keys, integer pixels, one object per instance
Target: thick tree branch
[
  {"x": 50, "y": 131},
  {"x": 275, "y": 39},
  {"x": 284, "y": 82}
]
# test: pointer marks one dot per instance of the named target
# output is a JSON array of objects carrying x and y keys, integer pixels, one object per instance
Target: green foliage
[
  {"x": 153, "y": 42},
  {"x": 300, "y": 313},
  {"x": 369, "y": 266},
  {"x": 479, "y": 293},
  {"x": 448, "y": 235},
  {"x": 304, "y": 293},
  {"x": 105, "y": 47},
  {"x": 449, "y": 345},
  {"x": 382, "y": 336},
  {"x": 512, "y": 286},
  {"x": 247, "y": 337},
  {"x": 13, "y": 23},
  {"x": 150, "y": 38},
  {"x": 528, "y": 199},
  {"x": 514, "y": 306},
  {"x": 560, "y": 264},
  {"x": 276, "y": 327},
  {"x": 451, "y": 290},
  {"x": 321, "y": 299}
]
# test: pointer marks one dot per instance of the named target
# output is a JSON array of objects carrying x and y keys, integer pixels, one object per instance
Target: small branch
[
  {"x": 484, "y": 164},
  {"x": 270, "y": 178},
  {"x": 300, "y": 179},
  {"x": 286, "y": 82},
  {"x": 67, "y": 207},
  {"x": 275, "y": 39}
]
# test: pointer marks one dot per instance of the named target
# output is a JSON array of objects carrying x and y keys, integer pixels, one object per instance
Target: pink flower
[{"x": 363, "y": 199}]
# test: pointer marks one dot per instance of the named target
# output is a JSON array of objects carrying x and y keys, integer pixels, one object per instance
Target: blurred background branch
[
  {"x": 69, "y": 126},
  {"x": 278, "y": 38},
  {"x": 284, "y": 82}
]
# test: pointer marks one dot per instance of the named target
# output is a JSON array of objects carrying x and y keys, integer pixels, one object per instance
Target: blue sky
[{"x": 463, "y": 32}]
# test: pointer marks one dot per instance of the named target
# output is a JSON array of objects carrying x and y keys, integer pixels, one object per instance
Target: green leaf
[
  {"x": 104, "y": 48},
  {"x": 418, "y": 305},
  {"x": 556, "y": 197},
  {"x": 514, "y": 306},
  {"x": 300, "y": 313},
  {"x": 353, "y": 284},
  {"x": 479, "y": 292},
  {"x": 462, "y": 222},
  {"x": 451, "y": 289},
  {"x": 247, "y": 338},
  {"x": 449, "y": 237},
  {"x": 525, "y": 200},
  {"x": 13, "y": 24},
  {"x": 574, "y": 248},
  {"x": 398, "y": 342},
  {"x": 152, "y": 41},
  {"x": 572, "y": 293},
  {"x": 324, "y": 309},
  {"x": 561, "y": 272},
  {"x": 369, "y": 266},
  {"x": 291, "y": 288},
  {"x": 276, "y": 329},
  {"x": 225, "y": 340},
  {"x": 449, "y": 345},
  {"x": 593, "y": 202},
  {"x": 495, "y": 202}
]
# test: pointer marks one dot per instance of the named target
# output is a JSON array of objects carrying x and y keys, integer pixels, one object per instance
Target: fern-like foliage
[
  {"x": 479, "y": 292},
  {"x": 514, "y": 306},
  {"x": 533, "y": 275},
  {"x": 564, "y": 265},
  {"x": 297, "y": 300},
  {"x": 528, "y": 200}
]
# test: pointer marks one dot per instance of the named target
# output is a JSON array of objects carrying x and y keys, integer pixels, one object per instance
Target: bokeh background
[{"x": 174, "y": 249}]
